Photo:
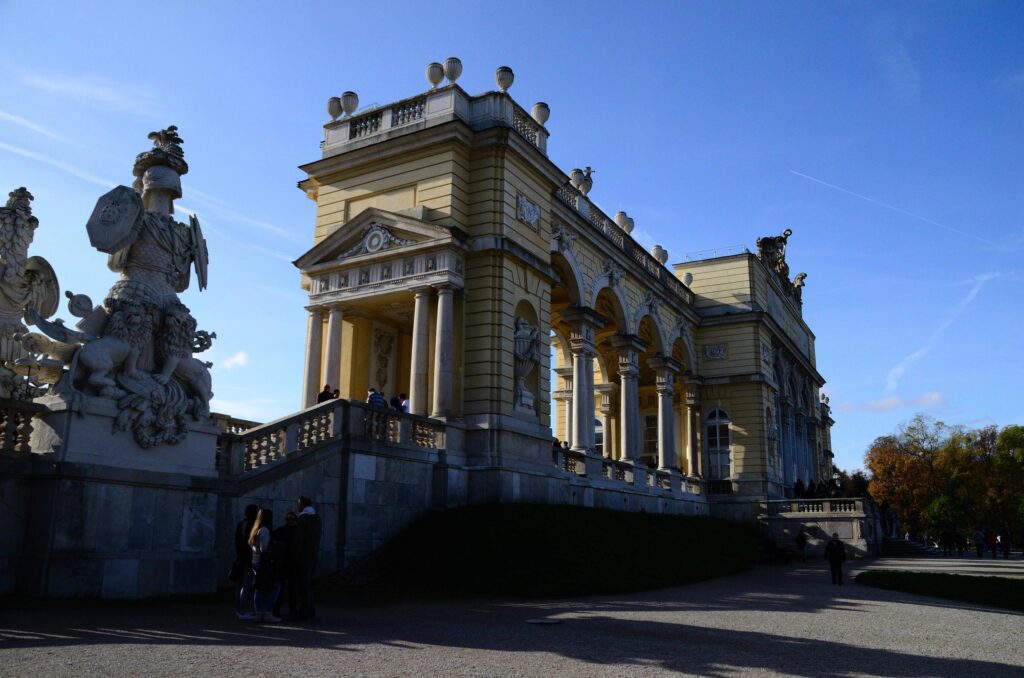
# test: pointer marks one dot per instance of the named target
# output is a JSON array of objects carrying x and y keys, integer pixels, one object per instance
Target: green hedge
[
  {"x": 535, "y": 550},
  {"x": 1001, "y": 592}
]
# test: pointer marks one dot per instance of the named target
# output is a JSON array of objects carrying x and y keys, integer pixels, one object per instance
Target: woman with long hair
[{"x": 267, "y": 586}]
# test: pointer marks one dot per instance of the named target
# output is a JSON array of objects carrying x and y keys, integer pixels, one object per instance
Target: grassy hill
[{"x": 534, "y": 550}]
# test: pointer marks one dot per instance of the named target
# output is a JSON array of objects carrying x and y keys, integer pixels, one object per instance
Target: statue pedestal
[
  {"x": 89, "y": 437},
  {"x": 111, "y": 519}
]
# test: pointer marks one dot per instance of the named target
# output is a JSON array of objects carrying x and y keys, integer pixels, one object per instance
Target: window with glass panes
[{"x": 718, "y": 444}]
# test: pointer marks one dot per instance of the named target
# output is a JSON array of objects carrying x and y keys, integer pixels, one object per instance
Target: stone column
[
  {"x": 606, "y": 406},
  {"x": 583, "y": 323},
  {"x": 443, "y": 352},
  {"x": 314, "y": 349},
  {"x": 332, "y": 362},
  {"x": 420, "y": 352},
  {"x": 693, "y": 425},
  {"x": 565, "y": 398},
  {"x": 629, "y": 415},
  {"x": 665, "y": 371}
]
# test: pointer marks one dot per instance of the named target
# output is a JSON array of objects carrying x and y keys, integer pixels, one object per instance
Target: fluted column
[
  {"x": 565, "y": 398},
  {"x": 583, "y": 323},
  {"x": 605, "y": 395},
  {"x": 443, "y": 352},
  {"x": 332, "y": 359},
  {"x": 629, "y": 348},
  {"x": 314, "y": 349},
  {"x": 420, "y": 352},
  {"x": 665, "y": 371}
]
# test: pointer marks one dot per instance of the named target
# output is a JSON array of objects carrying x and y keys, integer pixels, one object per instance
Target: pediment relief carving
[{"x": 377, "y": 238}]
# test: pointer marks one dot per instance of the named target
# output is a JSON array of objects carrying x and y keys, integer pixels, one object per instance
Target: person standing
[
  {"x": 405, "y": 401},
  {"x": 325, "y": 394},
  {"x": 801, "y": 544},
  {"x": 281, "y": 545},
  {"x": 241, "y": 569},
  {"x": 979, "y": 542},
  {"x": 306, "y": 542},
  {"x": 990, "y": 542},
  {"x": 263, "y": 567},
  {"x": 835, "y": 554}
]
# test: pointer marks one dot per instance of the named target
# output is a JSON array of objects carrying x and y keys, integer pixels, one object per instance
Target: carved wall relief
[
  {"x": 527, "y": 354},
  {"x": 716, "y": 351}
]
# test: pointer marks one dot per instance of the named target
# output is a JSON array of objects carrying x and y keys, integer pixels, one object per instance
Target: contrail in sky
[{"x": 897, "y": 209}]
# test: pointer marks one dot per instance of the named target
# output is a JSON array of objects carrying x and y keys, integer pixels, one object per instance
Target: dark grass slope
[
  {"x": 1001, "y": 592},
  {"x": 533, "y": 550}
]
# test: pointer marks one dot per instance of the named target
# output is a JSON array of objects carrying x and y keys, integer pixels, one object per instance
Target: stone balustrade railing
[
  {"x": 593, "y": 215},
  {"x": 229, "y": 424},
  {"x": 249, "y": 450},
  {"x": 16, "y": 418},
  {"x": 434, "y": 107},
  {"x": 845, "y": 505},
  {"x": 637, "y": 476}
]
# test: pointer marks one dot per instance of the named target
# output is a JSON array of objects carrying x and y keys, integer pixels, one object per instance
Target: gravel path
[{"x": 767, "y": 622}]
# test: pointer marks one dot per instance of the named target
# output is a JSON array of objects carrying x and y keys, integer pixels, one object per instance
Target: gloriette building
[{"x": 452, "y": 259}]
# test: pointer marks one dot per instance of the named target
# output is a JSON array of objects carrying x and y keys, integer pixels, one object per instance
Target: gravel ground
[{"x": 767, "y": 622}]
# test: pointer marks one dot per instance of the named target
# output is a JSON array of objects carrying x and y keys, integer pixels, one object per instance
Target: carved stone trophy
[{"x": 132, "y": 357}]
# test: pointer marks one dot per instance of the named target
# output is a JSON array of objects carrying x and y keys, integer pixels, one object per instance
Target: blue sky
[{"x": 886, "y": 135}]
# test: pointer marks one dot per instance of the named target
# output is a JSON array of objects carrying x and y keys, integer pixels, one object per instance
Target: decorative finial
[
  {"x": 504, "y": 77},
  {"x": 334, "y": 108},
  {"x": 349, "y": 102},
  {"x": 541, "y": 112},
  {"x": 687, "y": 278},
  {"x": 452, "y": 69},
  {"x": 166, "y": 152},
  {"x": 621, "y": 218},
  {"x": 435, "y": 74},
  {"x": 587, "y": 182}
]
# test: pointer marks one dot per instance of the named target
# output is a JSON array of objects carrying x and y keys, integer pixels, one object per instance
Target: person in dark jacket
[
  {"x": 282, "y": 543},
  {"x": 242, "y": 567},
  {"x": 835, "y": 554},
  {"x": 325, "y": 394},
  {"x": 306, "y": 543}
]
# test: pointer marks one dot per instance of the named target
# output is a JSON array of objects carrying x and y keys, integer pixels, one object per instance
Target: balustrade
[
  {"x": 408, "y": 111},
  {"x": 525, "y": 125},
  {"x": 845, "y": 505},
  {"x": 364, "y": 125},
  {"x": 16, "y": 425}
]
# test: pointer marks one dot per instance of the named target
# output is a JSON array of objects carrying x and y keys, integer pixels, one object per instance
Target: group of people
[
  {"x": 398, "y": 403},
  {"x": 274, "y": 563},
  {"x": 374, "y": 398},
  {"x": 820, "y": 490}
]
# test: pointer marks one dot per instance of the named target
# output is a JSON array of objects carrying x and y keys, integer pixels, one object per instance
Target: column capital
[
  {"x": 422, "y": 291},
  {"x": 607, "y": 397},
  {"x": 581, "y": 315},
  {"x": 564, "y": 372},
  {"x": 692, "y": 393},
  {"x": 629, "y": 343},
  {"x": 665, "y": 363},
  {"x": 445, "y": 288},
  {"x": 316, "y": 310}
]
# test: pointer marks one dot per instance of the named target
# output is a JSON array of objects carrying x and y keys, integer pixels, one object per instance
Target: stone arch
[
  {"x": 617, "y": 304},
  {"x": 568, "y": 270},
  {"x": 682, "y": 337}
]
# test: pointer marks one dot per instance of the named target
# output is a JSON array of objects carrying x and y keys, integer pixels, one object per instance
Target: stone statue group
[{"x": 137, "y": 349}]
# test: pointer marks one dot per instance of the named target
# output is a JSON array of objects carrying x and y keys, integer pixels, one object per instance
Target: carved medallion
[
  {"x": 527, "y": 212},
  {"x": 716, "y": 351}
]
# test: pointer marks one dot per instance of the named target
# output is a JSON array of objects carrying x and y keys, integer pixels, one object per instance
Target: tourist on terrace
[
  {"x": 979, "y": 542},
  {"x": 375, "y": 398},
  {"x": 306, "y": 543},
  {"x": 241, "y": 569},
  {"x": 405, "y": 402},
  {"x": 325, "y": 394},
  {"x": 264, "y": 567},
  {"x": 835, "y": 554}
]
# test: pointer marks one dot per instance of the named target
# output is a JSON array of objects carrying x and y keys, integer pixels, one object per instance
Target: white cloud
[
  {"x": 896, "y": 373},
  {"x": 28, "y": 124},
  {"x": 240, "y": 359},
  {"x": 894, "y": 402},
  {"x": 895, "y": 64},
  {"x": 94, "y": 91},
  {"x": 259, "y": 409},
  {"x": 63, "y": 166}
]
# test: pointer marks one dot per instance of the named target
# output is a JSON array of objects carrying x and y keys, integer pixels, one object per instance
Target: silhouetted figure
[
  {"x": 264, "y": 567},
  {"x": 1004, "y": 542},
  {"x": 306, "y": 542},
  {"x": 801, "y": 545},
  {"x": 835, "y": 554},
  {"x": 336, "y": 394},
  {"x": 325, "y": 394},
  {"x": 405, "y": 402},
  {"x": 979, "y": 542},
  {"x": 241, "y": 569},
  {"x": 961, "y": 544},
  {"x": 282, "y": 545},
  {"x": 990, "y": 542},
  {"x": 798, "y": 489}
]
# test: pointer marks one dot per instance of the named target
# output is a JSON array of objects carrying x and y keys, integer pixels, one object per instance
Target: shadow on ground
[{"x": 610, "y": 631}]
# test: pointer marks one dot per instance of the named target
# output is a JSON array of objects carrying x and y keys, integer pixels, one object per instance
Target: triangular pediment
[{"x": 376, "y": 231}]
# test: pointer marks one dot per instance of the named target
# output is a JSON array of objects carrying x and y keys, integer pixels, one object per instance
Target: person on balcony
[
  {"x": 375, "y": 398},
  {"x": 325, "y": 394}
]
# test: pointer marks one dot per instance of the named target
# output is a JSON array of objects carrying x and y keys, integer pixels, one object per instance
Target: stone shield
[{"x": 113, "y": 222}]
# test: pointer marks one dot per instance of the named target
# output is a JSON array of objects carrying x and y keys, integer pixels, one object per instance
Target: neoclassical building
[{"x": 454, "y": 262}]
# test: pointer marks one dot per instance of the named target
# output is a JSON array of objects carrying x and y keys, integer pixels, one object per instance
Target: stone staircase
[{"x": 902, "y": 548}]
